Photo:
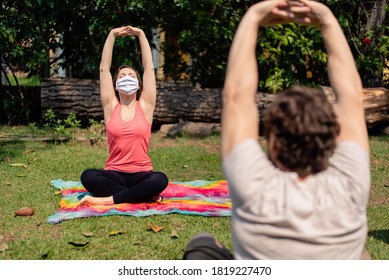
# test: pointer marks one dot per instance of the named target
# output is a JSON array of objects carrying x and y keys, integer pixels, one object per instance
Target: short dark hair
[
  {"x": 305, "y": 129},
  {"x": 115, "y": 76}
]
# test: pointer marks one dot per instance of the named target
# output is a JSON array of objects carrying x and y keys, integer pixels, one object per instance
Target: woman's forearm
[
  {"x": 106, "y": 56},
  {"x": 147, "y": 58}
]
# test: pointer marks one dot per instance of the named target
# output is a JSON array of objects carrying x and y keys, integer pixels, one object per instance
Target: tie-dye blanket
[{"x": 205, "y": 198}]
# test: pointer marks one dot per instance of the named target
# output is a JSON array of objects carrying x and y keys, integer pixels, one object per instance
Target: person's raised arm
[
  {"x": 240, "y": 118},
  {"x": 148, "y": 97},
  {"x": 343, "y": 76},
  {"x": 107, "y": 90}
]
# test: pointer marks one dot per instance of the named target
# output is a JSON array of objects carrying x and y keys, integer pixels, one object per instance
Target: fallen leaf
[
  {"x": 78, "y": 244},
  {"x": 185, "y": 166},
  {"x": 88, "y": 234},
  {"x": 174, "y": 235},
  {"x": 116, "y": 232},
  {"x": 44, "y": 255},
  {"x": 3, "y": 247},
  {"x": 8, "y": 184},
  {"x": 29, "y": 151},
  {"x": 155, "y": 228},
  {"x": 24, "y": 211},
  {"x": 57, "y": 192},
  {"x": 18, "y": 164}
]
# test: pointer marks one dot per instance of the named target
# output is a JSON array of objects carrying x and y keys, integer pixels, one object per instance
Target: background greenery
[
  {"x": 203, "y": 29},
  {"x": 182, "y": 158},
  {"x": 29, "y": 29}
]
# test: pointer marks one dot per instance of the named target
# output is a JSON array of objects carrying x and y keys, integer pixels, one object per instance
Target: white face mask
[{"x": 127, "y": 85}]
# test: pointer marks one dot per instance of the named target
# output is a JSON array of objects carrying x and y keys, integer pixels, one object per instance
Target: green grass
[
  {"x": 378, "y": 210},
  {"x": 182, "y": 159},
  {"x": 33, "y": 238}
]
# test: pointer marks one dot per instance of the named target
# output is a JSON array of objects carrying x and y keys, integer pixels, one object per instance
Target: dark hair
[
  {"x": 115, "y": 76},
  {"x": 305, "y": 128}
]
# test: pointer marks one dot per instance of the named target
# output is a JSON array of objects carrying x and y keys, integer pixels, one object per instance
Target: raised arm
[
  {"x": 148, "y": 97},
  {"x": 343, "y": 76},
  {"x": 239, "y": 113},
  {"x": 240, "y": 118},
  {"x": 107, "y": 91}
]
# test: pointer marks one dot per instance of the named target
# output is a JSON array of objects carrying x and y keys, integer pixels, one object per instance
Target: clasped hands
[
  {"x": 303, "y": 12},
  {"x": 127, "y": 31}
]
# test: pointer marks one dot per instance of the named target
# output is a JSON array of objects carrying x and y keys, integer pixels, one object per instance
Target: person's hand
[
  {"x": 135, "y": 31},
  {"x": 127, "y": 31},
  {"x": 272, "y": 12},
  {"x": 121, "y": 31},
  {"x": 319, "y": 14}
]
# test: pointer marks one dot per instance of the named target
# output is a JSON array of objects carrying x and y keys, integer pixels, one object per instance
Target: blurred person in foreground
[{"x": 307, "y": 197}]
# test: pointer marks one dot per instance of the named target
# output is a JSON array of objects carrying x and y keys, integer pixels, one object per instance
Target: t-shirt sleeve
[
  {"x": 353, "y": 162},
  {"x": 245, "y": 167}
]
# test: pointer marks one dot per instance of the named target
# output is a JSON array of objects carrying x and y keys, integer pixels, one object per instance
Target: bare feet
[
  {"x": 158, "y": 199},
  {"x": 91, "y": 200}
]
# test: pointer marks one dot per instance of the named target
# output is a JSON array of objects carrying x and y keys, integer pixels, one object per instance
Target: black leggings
[{"x": 124, "y": 187}]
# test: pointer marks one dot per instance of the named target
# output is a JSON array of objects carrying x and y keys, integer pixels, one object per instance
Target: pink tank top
[{"x": 128, "y": 142}]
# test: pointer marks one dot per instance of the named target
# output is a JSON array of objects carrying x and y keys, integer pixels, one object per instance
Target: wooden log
[
  {"x": 181, "y": 103},
  {"x": 64, "y": 96},
  {"x": 375, "y": 103},
  {"x": 186, "y": 104}
]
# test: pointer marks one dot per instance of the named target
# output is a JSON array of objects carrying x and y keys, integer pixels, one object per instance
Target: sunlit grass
[{"x": 182, "y": 159}]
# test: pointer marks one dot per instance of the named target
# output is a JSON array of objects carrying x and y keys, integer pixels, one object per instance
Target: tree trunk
[
  {"x": 375, "y": 24},
  {"x": 377, "y": 17}
]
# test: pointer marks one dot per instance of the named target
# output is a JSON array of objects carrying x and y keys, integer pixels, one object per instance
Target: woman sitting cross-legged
[{"x": 128, "y": 106}]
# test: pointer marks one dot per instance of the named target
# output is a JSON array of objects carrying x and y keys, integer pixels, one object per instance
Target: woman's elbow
[
  {"x": 229, "y": 90},
  {"x": 149, "y": 68},
  {"x": 103, "y": 68}
]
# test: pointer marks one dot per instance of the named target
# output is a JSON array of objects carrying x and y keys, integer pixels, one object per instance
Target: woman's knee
[
  {"x": 88, "y": 176},
  {"x": 161, "y": 178}
]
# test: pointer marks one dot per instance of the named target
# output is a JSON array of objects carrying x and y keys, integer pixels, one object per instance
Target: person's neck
[
  {"x": 128, "y": 101},
  {"x": 302, "y": 175}
]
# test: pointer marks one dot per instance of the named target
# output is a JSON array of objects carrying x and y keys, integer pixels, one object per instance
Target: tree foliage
[
  {"x": 364, "y": 24},
  {"x": 26, "y": 35},
  {"x": 288, "y": 55},
  {"x": 204, "y": 29}
]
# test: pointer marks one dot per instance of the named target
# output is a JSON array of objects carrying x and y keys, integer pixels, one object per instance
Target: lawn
[{"x": 27, "y": 184}]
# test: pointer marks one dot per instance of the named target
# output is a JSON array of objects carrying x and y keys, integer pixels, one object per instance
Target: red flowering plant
[
  {"x": 372, "y": 51},
  {"x": 365, "y": 26},
  {"x": 366, "y": 41}
]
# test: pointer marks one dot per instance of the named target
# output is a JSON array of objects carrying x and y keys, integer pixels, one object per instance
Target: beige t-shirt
[{"x": 276, "y": 216}]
